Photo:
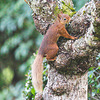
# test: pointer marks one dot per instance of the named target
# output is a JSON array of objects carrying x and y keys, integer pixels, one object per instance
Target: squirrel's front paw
[
  {"x": 74, "y": 38},
  {"x": 51, "y": 59}
]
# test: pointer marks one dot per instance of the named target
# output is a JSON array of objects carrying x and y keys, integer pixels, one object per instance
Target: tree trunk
[
  {"x": 65, "y": 87},
  {"x": 67, "y": 76}
]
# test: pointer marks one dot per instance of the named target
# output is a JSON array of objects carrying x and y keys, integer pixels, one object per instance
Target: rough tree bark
[{"x": 67, "y": 76}]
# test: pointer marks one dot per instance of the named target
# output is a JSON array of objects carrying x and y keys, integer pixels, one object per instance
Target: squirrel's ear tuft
[
  {"x": 59, "y": 16},
  {"x": 61, "y": 12}
]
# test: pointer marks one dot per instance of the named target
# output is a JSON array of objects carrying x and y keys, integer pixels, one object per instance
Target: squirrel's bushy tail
[{"x": 37, "y": 69}]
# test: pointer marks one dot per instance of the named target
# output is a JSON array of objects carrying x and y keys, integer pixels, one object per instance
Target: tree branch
[{"x": 67, "y": 76}]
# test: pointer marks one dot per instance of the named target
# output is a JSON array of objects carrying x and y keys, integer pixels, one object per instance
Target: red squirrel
[{"x": 49, "y": 48}]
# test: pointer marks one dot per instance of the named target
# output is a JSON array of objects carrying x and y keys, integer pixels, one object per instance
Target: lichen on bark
[
  {"x": 45, "y": 12},
  {"x": 72, "y": 53}
]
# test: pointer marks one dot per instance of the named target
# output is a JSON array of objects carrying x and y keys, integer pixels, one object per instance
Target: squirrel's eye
[{"x": 64, "y": 18}]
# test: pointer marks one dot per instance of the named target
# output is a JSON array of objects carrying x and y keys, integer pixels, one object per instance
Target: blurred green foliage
[
  {"x": 79, "y": 3},
  {"x": 94, "y": 81},
  {"x": 18, "y": 40}
]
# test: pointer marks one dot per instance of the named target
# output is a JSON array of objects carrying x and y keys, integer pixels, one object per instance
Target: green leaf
[
  {"x": 98, "y": 91},
  {"x": 90, "y": 74},
  {"x": 99, "y": 67},
  {"x": 98, "y": 86},
  {"x": 91, "y": 68},
  {"x": 33, "y": 91}
]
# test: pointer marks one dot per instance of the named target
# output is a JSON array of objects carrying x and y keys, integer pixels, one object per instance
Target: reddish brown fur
[{"x": 49, "y": 48}]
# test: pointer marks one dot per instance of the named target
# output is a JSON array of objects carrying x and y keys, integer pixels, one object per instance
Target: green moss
[
  {"x": 84, "y": 12},
  {"x": 80, "y": 37},
  {"x": 96, "y": 38},
  {"x": 66, "y": 9},
  {"x": 69, "y": 6},
  {"x": 57, "y": 10},
  {"x": 78, "y": 15}
]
